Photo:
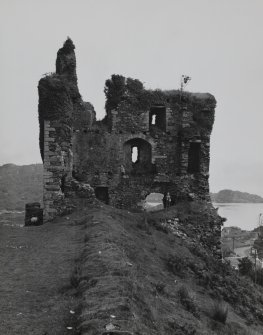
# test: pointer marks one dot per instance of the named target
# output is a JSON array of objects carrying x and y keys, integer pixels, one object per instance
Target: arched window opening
[
  {"x": 157, "y": 117},
  {"x": 138, "y": 157},
  {"x": 135, "y": 154},
  {"x": 194, "y": 157}
]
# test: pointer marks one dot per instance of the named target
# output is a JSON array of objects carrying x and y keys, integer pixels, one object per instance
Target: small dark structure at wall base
[
  {"x": 171, "y": 134},
  {"x": 33, "y": 214}
]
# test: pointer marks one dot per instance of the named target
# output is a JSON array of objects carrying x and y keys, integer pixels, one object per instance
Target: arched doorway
[{"x": 154, "y": 202}]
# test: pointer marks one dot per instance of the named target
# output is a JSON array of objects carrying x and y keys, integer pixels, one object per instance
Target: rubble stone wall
[
  {"x": 170, "y": 129},
  {"x": 101, "y": 152}
]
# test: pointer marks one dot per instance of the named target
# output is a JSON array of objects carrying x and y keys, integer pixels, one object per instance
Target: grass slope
[
  {"x": 122, "y": 275},
  {"x": 155, "y": 279},
  {"x": 36, "y": 267}
]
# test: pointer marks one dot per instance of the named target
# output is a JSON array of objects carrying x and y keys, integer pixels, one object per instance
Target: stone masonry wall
[
  {"x": 58, "y": 162},
  {"x": 100, "y": 150},
  {"x": 173, "y": 152}
]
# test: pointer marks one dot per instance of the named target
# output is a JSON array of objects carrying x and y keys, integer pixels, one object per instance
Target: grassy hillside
[
  {"x": 36, "y": 266},
  {"x": 225, "y": 196},
  {"x": 158, "y": 278},
  {"x": 103, "y": 270},
  {"x": 19, "y": 185}
]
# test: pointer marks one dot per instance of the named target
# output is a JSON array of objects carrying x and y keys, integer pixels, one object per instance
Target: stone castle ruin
[{"x": 149, "y": 141}]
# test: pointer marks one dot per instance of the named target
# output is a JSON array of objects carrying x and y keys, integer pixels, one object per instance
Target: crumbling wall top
[{"x": 66, "y": 60}]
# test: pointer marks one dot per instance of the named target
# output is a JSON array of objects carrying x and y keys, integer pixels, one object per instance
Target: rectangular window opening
[
  {"x": 194, "y": 154},
  {"x": 158, "y": 117}
]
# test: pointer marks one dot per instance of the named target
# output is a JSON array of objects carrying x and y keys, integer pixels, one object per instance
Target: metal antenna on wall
[{"x": 184, "y": 82}]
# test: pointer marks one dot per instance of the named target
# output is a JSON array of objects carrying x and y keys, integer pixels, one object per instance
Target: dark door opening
[
  {"x": 102, "y": 193},
  {"x": 194, "y": 157}
]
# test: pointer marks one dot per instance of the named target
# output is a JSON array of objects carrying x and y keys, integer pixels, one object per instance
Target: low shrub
[
  {"x": 176, "y": 265},
  {"x": 144, "y": 225},
  {"x": 160, "y": 287},
  {"x": 180, "y": 329},
  {"x": 199, "y": 251},
  {"x": 219, "y": 311},
  {"x": 187, "y": 300},
  {"x": 258, "y": 275},
  {"x": 205, "y": 279},
  {"x": 245, "y": 266},
  {"x": 252, "y": 332},
  {"x": 75, "y": 276}
]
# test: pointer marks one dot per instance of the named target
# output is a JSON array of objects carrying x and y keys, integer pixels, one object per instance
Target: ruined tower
[{"x": 149, "y": 141}]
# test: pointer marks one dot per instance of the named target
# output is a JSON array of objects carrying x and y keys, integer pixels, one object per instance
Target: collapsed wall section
[{"x": 60, "y": 107}]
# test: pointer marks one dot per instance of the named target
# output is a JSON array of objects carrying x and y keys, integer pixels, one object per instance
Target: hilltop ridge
[{"x": 225, "y": 196}]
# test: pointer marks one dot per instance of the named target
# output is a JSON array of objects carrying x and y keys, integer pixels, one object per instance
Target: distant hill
[
  {"x": 19, "y": 185},
  {"x": 235, "y": 196}
]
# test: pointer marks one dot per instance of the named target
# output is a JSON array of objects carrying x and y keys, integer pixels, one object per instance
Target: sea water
[{"x": 243, "y": 215}]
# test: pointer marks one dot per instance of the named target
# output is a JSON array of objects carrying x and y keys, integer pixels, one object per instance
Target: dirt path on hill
[{"x": 36, "y": 266}]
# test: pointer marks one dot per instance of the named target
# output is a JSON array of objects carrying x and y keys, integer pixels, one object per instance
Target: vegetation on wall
[
  {"x": 119, "y": 90},
  {"x": 114, "y": 90}
]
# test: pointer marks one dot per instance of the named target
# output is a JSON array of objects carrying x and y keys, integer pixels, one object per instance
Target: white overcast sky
[{"x": 217, "y": 42}]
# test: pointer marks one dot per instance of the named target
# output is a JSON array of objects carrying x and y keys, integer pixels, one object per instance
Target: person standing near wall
[
  {"x": 122, "y": 168},
  {"x": 168, "y": 200}
]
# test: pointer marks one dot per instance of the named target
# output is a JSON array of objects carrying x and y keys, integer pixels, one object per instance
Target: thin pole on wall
[
  {"x": 233, "y": 238},
  {"x": 260, "y": 225},
  {"x": 184, "y": 82},
  {"x": 255, "y": 266}
]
